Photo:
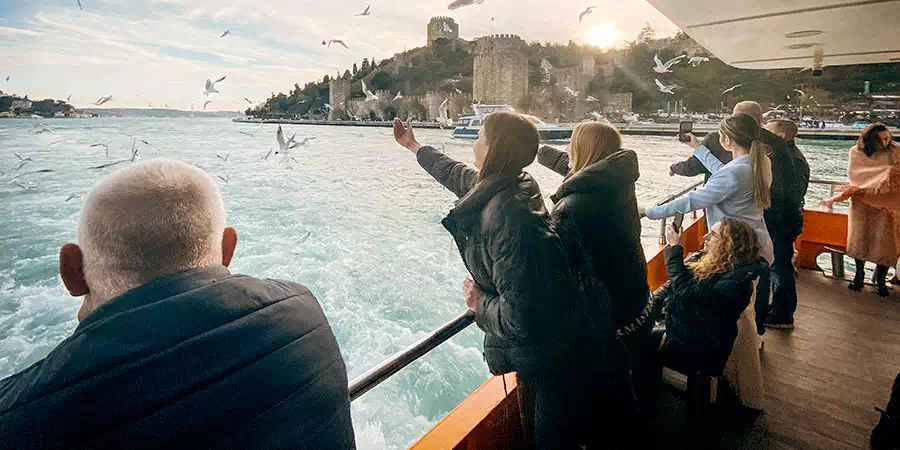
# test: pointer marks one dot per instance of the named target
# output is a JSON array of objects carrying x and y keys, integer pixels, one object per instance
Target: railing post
[{"x": 662, "y": 232}]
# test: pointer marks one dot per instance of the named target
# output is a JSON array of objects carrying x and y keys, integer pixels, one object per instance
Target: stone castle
[{"x": 500, "y": 76}]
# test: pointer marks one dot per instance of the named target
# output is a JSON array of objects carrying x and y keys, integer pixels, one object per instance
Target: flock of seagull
[{"x": 663, "y": 67}]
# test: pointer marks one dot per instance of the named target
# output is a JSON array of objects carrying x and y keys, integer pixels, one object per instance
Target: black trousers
[
  {"x": 577, "y": 410},
  {"x": 784, "y": 281}
]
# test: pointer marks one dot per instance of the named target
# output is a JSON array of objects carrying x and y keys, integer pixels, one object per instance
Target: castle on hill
[{"x": 500, "y": 75}]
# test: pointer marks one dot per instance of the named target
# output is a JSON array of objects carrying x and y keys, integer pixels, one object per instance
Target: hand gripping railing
[{"x": 662, "y": 223}]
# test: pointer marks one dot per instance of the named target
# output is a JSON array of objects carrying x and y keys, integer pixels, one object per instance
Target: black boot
[
  {"x": 886, "y": 435},
  {"x": 858, "y": 280},
  {"x": 881, "y": 280}
]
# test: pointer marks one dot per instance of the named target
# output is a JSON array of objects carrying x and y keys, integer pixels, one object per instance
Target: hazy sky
[{"x": 162, "y": 51}]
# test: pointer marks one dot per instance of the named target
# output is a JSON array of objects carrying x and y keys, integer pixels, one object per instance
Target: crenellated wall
[
  {"x": 435, "y": 29},
  {"x": 338, "y": 93},
  {"x": 500, "y": 69}
]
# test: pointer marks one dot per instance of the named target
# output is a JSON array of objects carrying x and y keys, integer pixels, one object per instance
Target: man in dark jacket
[
  {"x": 784, "y": 219},
  {"x": 172, "y": 350}
]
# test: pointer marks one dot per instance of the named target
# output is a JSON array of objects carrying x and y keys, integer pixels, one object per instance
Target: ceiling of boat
[{"x": 770, "y": 34}]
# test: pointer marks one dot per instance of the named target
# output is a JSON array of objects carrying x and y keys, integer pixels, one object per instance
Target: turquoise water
[{"x": 377, "y": 256}]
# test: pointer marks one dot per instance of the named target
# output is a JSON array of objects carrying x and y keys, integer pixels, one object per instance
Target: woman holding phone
[
  {"x": 543, "y": 316},
  {"x": 738, "y": 190}
]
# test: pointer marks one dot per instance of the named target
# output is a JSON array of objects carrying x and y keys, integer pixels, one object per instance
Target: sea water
[{"x": 376, "y": 255}]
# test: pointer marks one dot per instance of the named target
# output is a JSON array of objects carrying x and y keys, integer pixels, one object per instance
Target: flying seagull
[
  {"x": 447, "y": 28},
  {"x": 697, "y": 60},
  {"x": 664, "y": 68},
  {"x": 31, "y": 173},
  {"x": 370, "y": 97},
  {"x": 283, "y": 145},
  {"x": 731, "y": 89},
  {"x": 800, "y": 92},
  {"x": 225, "y": 178},
  {"x": 223, "y": 158},
  {"x": 587, "y": 10},
  {"x": 105, "y": 147},
  {"x": 303, "y": 142},
  {"x": 456, "y": 4},
  {"x": 244, "y": 132},
  {"x": 571, "y": 92},
  {"x": 79, "y": 5},
  {"x": 69, "y": 98},
  {"x": 226, "y": 33},
  {"x": 22, "y": 161},
  {"x": 327, "y": 106},
  {"x": 398, "y": 96},
  {"x": 444, "y": 119},
  {"x": 43, "y": 130},
  {"x": 206, "y": 103},
  {"x": 248, "y": 100},
  {"x": 103, "y": 100},
  {"x": 337, "y": 41},
  {"x": 596, "y": 115},
  {"x": 74, "y": 196},
  {"x": 591, "y": 99},
  {"x": 211, "y": 86},
  {"x": 366, "y": 12},
  {"x": 663, "y": 88}
]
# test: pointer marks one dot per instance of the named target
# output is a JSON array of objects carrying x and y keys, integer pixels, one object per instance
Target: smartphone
[
  {"x": 685, "y": 127},
  {"x": 677, "y": 221}
]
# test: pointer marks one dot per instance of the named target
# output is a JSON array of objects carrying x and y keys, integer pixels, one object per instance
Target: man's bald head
[
  {"x": 145, "y": 221},
  {"x": 749, "y": 108}
]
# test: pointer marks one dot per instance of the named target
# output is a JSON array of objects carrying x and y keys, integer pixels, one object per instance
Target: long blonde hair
[
  {"x": 737, "y": 244},
  {"x": 592, "y": 142},
  {"x": 512, "y": 143},
  {"x": 744, "y": 131}
]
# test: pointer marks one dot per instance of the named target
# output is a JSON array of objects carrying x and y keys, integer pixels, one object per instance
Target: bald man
[
  {"x": 784, "y": 221},
  {"x": 172, "y": 350}
]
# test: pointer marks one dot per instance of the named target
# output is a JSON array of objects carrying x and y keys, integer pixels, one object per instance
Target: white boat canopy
[{"x": 775, "y": 34}]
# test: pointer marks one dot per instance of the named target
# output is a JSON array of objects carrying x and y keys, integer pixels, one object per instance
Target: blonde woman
[
  {"x": 596, "y": 208},
  {"x": 526, "y": 295},
  {"x": 705, "y": 296},
  {"x": 738, "y": 190}
]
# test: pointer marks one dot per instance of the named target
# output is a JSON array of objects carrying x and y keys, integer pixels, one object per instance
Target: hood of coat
[
  {"x": 612, "y": 175},
  {"x": 523, "y": 187}
]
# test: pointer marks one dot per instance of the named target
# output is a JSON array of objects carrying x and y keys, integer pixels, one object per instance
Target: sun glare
[{"x": 603, "y": 36}]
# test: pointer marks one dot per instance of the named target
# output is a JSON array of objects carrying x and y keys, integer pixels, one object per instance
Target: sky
[{"x": 162, "y": 51}]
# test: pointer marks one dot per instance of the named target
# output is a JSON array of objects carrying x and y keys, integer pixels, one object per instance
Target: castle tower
[
  {"x": 589, "y": 66},
  {"x": 436, "y": 29},
  {"x": 338, "y": 93},
  {"x": 501, "y": 69}
]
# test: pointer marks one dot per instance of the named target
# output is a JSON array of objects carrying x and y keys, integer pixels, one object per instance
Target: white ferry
[{"x": 467, "y": 127}]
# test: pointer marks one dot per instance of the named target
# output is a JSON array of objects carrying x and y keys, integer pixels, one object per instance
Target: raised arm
[
  {"x": 719, "y": 187},
  {"x": 709, "y": 161},
  {"x": 553, "y": 159},
  {"x": 456, "y": 176}
]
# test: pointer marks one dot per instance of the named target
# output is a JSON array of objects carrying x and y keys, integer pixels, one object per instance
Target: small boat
[{"x": 467, "y": 127}]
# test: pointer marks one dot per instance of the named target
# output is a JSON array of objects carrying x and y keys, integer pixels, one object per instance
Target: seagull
[
  {"x": 7, "y": 78},
  {"x": 370, "y": 97},
  {"x": 571, "y": 92},
  {"x": 697, "y": 60},
  {"x": 664, "y": 68},
  {"x": 266, "y": 158},
  {"x": 663, "y": 88},
  {"x": 587, "y": 10},
  {"x": 447, "y": 28},
  {"x": 23, "y": 186},
  {"x": 591, "y": 99},
  {"x": 226, "y": 33},
  {"x": 74, "y": 196},
  {"x": 282, "y": 144},
  {"x": 327, "y": 106},
  {"x": 22, "y": 161},
  {"x": 444, "y": 118},
  {"x": 43, "y": 130},
  {"x": 800, "y": 92},
  {"x": 206, "y": 103},
  {"x": 244, "y": 132},
  {"x": 223, "y": 158},
  {"x": 225, "y": 178},
  {"x": 457, "y": 90},
  {"x": 211, "y": 86},
  {"x": 248, "y": 100},
  {"x": 79, "y": 5},
  {"x": 366, "y": 12},
  {"x": 103, "y": 100},
  {"x": 398, "y": 96},
  {"x": 731, "y": 89},
  {"x": 303, "y": 142},
  {"x": 105, "y": 147},
  {"x": 456, "y": 4},
  {"x": 69, "y": 98},
  {"x": 337, "y": 41},
  {"x": 596, "y": 115},
  {"x": 32, "y": 173}
]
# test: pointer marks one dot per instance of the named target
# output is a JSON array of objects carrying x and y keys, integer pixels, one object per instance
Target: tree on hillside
[
  {"x": 347, "y": 75},
  {"x": 536, "y": 74},
  {"x": 647, "y": 34},
  {"x": 365, "y": 65},
  {"x": 355, "y": 69}
]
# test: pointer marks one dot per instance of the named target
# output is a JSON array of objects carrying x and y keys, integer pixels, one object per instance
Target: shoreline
[{"x": 629, "y": 130}]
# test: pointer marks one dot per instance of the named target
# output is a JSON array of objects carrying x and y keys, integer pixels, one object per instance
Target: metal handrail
[
  {"x": 662, "y": 223},
  {"x": 374, "y": 376}
]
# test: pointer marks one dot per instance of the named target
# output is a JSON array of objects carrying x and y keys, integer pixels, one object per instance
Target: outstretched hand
[
  {"x": 404, "y": 135},
  {"x": 694, "y": 142}
]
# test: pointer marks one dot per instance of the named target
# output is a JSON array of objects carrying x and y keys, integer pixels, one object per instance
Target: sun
[{"x": 603, "y": 36}]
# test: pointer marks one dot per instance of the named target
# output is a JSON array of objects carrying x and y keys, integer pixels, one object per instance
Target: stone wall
[
  {"x": 500, "y": 69},
  {"x": 338, "y": 93},
  {"x": 617, "y": 102},
  {"x": 435, "y": 29},
  {"x": 459, "y": 104},
  {"x": 361, "y": 109}
]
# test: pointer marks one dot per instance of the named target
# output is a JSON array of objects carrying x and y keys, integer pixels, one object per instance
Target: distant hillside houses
[{"x": 14, "y": 106}]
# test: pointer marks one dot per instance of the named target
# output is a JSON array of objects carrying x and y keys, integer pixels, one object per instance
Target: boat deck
[{"x": 823, "y": 379}]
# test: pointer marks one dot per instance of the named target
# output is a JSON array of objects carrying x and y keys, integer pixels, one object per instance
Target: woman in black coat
[
  {"x": 596, "y": 206},
  {"x": 705, "y": 296},
  {"x": 526, "y": 295}
]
